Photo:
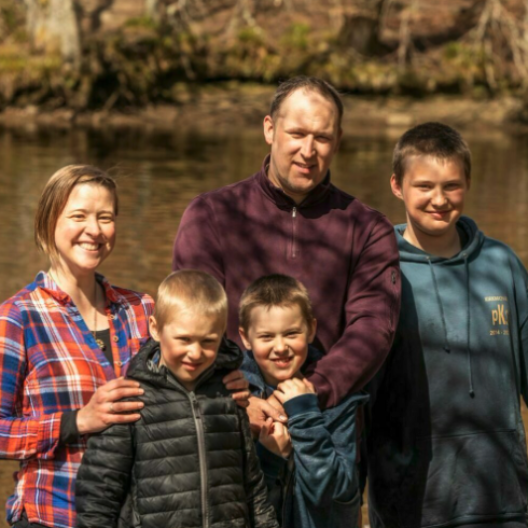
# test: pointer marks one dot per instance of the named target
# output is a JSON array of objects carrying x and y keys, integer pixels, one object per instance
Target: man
[{"x": 288, "y": 218}]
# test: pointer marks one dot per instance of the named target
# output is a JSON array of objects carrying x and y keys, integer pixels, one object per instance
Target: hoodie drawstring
[
  {"x": 447, "y": 346},
  {"x": 468, "y": 340}
]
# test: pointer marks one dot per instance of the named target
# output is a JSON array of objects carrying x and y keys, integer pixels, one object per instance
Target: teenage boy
[
  {"x": 190, "y": 460},
  {"x": 446, "y": 444},
  {"x": 314, "y": 485}
]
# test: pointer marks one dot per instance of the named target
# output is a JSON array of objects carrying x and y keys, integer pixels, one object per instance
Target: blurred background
[{"x": 169, "y": 96}]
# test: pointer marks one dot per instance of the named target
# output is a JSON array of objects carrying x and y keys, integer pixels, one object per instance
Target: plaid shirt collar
[{"x": 44, "y": 281}]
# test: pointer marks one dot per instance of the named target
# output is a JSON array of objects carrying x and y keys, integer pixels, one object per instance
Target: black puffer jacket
[{"x": 188, "y": 462}]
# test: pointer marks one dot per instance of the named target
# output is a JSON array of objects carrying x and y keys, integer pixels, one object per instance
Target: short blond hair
[
  {"x": 190, "y": 289},
  {"x": 274, "y": 290},
  {"x": 55, "y": 196}
]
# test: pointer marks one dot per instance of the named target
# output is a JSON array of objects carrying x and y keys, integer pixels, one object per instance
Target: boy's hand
[
  {"x": 235, "y": 381},
  {"x": 274, "y": 436},
  {"x": 286, "y": 390}
]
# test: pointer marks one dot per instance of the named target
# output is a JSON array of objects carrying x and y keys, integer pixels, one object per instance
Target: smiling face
[
  {"x": 304, "y": 136},
  {"x": 279, "y": 337},
  {"x": 433, "y": 191},
  {"x": 189, "y": 343},
  {"x": 85, "y": 229}
]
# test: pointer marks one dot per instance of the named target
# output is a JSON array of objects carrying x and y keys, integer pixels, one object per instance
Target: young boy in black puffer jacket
[{"x": 189, "y": 460}]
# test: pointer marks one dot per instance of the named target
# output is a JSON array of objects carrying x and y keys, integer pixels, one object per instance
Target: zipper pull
[
  {"x": 195, "y": 405},
  {"x": 294, "y": 212}
]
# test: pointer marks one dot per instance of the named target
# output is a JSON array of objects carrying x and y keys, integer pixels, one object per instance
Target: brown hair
[
  {"x": 274, "y": 290},
  {"x": 314, "y": 84},
  {"x": 55, "y": 196},
  {"x": 430, "y": 139},
  {"x": 193, "y": 289}
]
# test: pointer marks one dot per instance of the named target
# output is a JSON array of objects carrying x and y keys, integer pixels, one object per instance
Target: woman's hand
[
  {"x": 104, "y": 409},
  {"x": 235, "y": 381},
  {"x": 275, "y": 437}
]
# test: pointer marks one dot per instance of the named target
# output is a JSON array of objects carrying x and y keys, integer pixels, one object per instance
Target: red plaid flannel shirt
[{"x": 50, "y": 364}]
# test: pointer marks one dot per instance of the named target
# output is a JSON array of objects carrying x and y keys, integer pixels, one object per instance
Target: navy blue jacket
[
  {"x": 446, "y": 440},
  {"x": 318, "y": 486}
]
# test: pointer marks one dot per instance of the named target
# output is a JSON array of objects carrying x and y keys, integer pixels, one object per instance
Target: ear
[
  {"x": 339, "y": 137},
  {"x": 313, "y": 330},
  {"x": 396, "y": 188},
  {"x": 153, "y": 327},
  {"x": 269, "y": 129},
  {"x": 244, "y": 338}
]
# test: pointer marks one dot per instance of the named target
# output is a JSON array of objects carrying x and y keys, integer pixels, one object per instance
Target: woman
[{"x": 65, "y": 341}]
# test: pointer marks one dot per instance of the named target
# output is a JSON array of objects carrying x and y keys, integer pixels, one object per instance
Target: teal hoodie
[{"x": 446, "y": 443}]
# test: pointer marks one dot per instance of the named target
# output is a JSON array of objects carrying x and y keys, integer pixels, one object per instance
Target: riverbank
[{"x": 232, "y": 106}]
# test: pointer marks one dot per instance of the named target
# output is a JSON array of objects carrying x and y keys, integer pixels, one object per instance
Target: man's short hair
[
  {"x": 430, "y": 139},
  {"x": 55, "y": 196},
  {"x": 190, "y": 290},
  {"x": 274, "y": 290},
  {"x": 286, "y": 88}
]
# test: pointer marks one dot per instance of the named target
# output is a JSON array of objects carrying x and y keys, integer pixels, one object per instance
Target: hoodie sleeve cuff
[
  {"x": 305, "y": 403},
  {"x": 270, "y": 462}
]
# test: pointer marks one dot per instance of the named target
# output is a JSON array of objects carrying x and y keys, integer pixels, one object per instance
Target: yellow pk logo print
[{"x": 499, "y": 316}]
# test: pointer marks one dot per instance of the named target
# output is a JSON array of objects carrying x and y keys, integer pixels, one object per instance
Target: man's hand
[
  {"x": 258, "y": 411},
  {"x": 286, "y": 390},
  {"x": 235, "y": 381},
  {"x": 274, "y": 436}
]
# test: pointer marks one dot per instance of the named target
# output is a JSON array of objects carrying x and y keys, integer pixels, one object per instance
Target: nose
[
  {"x": 307, "y": 148},
  {"x": 194, "y": 351},
  {"x": 92, "y": 226},
  {"x": 438, "y": 199},
  {"x": 280, "y": 345}
]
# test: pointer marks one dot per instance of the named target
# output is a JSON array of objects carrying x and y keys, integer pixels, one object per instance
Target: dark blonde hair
[
  {"x": 190, "y": 289},
  {"x": 55, "y": 196},
  {"x": 430, "y": 139},
  {"x": 274, "y": 290}
]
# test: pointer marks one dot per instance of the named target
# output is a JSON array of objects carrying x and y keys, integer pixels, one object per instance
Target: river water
[{"x": 159, "y": 174}]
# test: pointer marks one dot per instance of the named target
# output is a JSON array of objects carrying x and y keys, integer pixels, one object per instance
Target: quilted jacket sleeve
[
  {"x": 104, "y": 477},
  {"x": 261, "y": 513}
]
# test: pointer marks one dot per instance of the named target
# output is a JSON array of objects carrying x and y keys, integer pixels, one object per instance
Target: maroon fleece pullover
[{"x": 344, "y": 252}]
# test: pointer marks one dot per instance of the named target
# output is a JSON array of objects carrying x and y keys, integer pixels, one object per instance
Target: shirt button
[
  {"x": 112, "y": 316},
  {"x": 115, "y": 338},
  {"x": 118, "y": 363}
]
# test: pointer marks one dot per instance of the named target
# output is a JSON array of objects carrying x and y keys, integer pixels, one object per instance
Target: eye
[
  {"x": 183, "y": 339},
  {"x": 323, "y": 139},
  {"x": 77, "y": 216},
  {"x": 107, "y": 219}
]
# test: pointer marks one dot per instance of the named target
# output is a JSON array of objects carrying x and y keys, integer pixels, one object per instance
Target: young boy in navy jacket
[
  {"x": 446, "y": 443},
  {"x": 310, "y": 464}
]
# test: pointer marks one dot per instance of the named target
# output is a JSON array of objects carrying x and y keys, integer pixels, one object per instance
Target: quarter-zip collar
[{"x": 281, "y": 199}]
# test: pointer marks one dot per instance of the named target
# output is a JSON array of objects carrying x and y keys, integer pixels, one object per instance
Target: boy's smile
[
  {"x": 433, "y": 191},
  {"x": 189, "y": 344},
  {"x": 279, "y": 338}
]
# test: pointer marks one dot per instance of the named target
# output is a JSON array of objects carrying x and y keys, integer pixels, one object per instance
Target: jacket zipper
[
  {"x": 197, "y": 415},
  {"x": 294, "y": 242}
]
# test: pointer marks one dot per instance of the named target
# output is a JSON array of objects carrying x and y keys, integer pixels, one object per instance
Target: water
[{"x": 159, "y": 175}]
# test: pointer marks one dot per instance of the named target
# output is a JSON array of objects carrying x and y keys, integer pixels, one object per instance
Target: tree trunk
[{"x": 53, "y": 26}]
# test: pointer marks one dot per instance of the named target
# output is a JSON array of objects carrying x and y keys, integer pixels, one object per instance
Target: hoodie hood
[
  {"x": 145, "y": 365},
  {"x": 471, "y": 235}
]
